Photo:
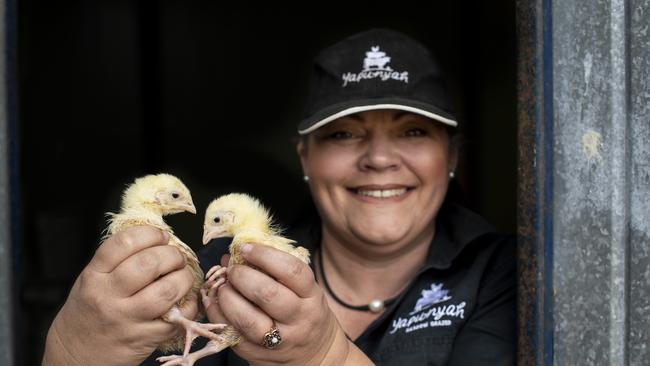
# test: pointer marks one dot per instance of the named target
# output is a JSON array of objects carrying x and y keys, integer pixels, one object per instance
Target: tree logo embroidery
[
  {"x": 429, "y": 312},
  {"x": 375, "y": 65},
  {"x": 376, "y": 59},
  {"x": 436, "y": 294}
]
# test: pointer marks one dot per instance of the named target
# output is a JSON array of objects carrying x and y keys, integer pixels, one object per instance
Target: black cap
[{"x": 376, "y": 69}]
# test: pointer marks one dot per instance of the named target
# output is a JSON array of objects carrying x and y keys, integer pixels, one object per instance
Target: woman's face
[{"x": 378, "y": 177}]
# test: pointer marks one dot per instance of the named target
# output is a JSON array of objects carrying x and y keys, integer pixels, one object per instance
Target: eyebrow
[
  {"x": 398, "y": 114},
  {"x": 356, "y": 117}
]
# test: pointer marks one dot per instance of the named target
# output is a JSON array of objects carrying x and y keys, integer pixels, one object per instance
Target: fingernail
[
  {"x": 165, "y": 236},
  {"x": 246, "y": 248}
]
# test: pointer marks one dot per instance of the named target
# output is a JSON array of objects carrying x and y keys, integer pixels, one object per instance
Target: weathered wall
[{"x": 601, "y": 204}]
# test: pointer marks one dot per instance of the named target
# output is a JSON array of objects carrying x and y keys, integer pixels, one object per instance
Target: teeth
[{"x": 387, "y": 193}]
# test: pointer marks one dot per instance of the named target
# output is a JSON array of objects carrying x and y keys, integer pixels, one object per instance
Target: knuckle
[
  {"x": 126, "y": 239},
  {"x": 177, "y": 258},
  {"x": 166, "y": 291},
  {"x": 268, "y": 293},
  {"x": 295, "y": 269},
  {"x": 188, "y": 278},
  {"x": 146, "y": 261},
  {"x": 246, "y": 324}
]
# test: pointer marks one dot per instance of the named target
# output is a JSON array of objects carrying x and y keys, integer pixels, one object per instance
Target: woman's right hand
[{"x": 112, "y": 314}]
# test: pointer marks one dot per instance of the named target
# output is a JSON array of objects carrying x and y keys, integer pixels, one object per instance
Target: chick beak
[
  {"x": 211, "y": 232},
  {"x": 189, "y": 207}
]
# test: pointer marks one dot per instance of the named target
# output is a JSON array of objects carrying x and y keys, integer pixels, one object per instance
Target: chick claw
[
  {"x": 175, "y": 360},
  {"x": 215, "y": 272},
  {"x": 209, "y": 291}
]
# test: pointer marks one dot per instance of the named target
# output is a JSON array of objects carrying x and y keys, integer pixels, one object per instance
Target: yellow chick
[
  {"x": 243, "y": 218},
  {"x": 145, "y": 202}
]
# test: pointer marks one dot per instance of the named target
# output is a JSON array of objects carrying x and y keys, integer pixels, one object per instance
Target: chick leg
[
  {"x": 193, "y": 329},
  {"x": 231, "y": 337}
]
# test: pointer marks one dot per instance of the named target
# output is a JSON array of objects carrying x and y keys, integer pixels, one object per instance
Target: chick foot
[
  {"x": 215, "y": 272},
  {"x": 209, "y": 291},
  {"x": 210, "y": 348},
  {"x": 193, "y": 329}
]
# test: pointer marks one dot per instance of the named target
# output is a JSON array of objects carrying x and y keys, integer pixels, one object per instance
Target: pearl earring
[
  {"x": 451, "y": 174},
  {"x": 305, "y": 178}
]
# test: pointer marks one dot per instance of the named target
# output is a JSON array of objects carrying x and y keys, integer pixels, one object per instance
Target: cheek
[
  {"x": 327, "y": 165},
  {"x": 431, "y": 164}
]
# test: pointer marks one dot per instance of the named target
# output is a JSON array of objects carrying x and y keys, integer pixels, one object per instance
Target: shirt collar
[{"x": 455, "y": 228}]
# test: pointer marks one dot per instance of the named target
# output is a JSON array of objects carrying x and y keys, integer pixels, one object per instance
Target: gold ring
[{"x": 272, "y": 338}]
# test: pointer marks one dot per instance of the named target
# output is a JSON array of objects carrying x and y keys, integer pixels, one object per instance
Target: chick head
[
  {"x": 228, "y": 214},
  {"x": 162, "y": 193}
]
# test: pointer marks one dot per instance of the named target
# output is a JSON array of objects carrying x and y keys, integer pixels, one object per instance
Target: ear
[
  {"x": 301, "y": 149},
  {"x": 159, "y": 196},
  {"x": 229, "y": 216},
  {"x": 453, "y": 157}
]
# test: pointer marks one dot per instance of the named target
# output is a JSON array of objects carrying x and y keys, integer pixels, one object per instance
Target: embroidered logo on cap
[{"x": 375, "y": 65}]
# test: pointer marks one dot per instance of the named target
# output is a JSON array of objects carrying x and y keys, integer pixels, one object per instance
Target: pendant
[{"x": 376, "y": 306}]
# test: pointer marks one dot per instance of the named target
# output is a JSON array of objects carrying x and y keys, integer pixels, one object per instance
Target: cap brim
[{"x": 341, "y": 110}]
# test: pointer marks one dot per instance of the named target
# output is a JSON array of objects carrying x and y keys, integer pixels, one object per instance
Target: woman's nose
[{"x": 380, "y": 154}]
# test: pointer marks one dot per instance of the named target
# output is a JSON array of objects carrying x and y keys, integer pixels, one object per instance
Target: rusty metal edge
[{"x": 534, "y": 196}]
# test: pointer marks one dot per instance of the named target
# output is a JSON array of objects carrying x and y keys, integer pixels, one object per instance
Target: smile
[{"x": 382, "y": 193}]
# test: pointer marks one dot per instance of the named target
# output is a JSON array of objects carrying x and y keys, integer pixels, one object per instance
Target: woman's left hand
[{"x": 281, "y": 290}]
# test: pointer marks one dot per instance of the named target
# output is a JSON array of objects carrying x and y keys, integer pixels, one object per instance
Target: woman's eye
[
  {"x": 340, "y": 135},
  {"x": 415, "y": 132}
]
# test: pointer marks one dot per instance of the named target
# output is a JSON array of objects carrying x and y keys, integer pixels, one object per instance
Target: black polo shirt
[{"x": 459, "y": 310}]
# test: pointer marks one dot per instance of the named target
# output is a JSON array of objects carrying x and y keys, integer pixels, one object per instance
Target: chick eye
[
  {"x": 217, "y": 220},
  {"x": 175, "y": 195}
]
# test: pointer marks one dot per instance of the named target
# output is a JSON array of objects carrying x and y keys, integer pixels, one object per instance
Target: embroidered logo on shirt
[
  {"x": 426, "y": 314},
  {"x": 375, "y": 65},
  {"x": 429, "y": 297}
]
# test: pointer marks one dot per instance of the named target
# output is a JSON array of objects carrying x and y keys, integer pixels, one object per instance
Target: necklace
[{"x": 375, "y": 305}]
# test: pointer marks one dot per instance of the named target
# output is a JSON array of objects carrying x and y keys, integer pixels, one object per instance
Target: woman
[{"x": 400, "y": 276}]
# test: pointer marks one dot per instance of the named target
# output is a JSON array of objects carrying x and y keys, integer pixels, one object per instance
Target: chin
[{"x": 380, "y": 235}]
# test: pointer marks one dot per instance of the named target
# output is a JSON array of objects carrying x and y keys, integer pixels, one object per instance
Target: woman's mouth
[{"x": 381, "y": 192}]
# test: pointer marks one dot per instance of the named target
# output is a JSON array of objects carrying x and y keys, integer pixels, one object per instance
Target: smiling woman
[{"x": 408, "y": 277}]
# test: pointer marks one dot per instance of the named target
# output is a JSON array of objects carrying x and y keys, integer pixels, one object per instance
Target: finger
[
  {"x": 158, "y": 297},
  {"x": 224, "y": 260},
  {"x": 272, "y": 297},
  {"x": 282, "y": 266},
  {"x": 122, "y": 245},
  {"x": 214, "y": 313},
  {"x": 190, "y": 307},
  {"x": 144, "y": 267},
  {"x": 159, "y": 331},
  {"x": 243, "y": 315}
]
